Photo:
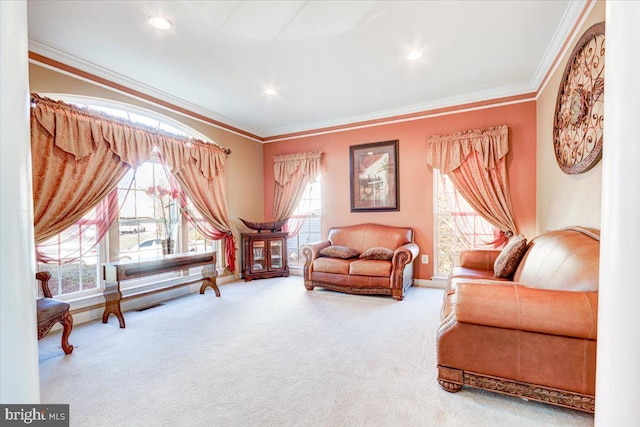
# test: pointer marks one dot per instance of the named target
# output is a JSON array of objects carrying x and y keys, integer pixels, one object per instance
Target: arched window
[{"x": 147, "y": 216}]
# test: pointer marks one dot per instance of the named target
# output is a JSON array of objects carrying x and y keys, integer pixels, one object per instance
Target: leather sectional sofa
[
  {"x": 362, "y": 259},
  {"x": 532, "y": 335}
]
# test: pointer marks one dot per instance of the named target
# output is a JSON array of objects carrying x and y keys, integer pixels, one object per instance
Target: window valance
[
  {"x": 79, "y": 156},
  {"x": 475, "y": 162},
  {"x": 448, "y": 152},
  {"x": 287, "y": 165},
  {"x": 292, "y": 174},
  {"x": 78, "y": 132}
]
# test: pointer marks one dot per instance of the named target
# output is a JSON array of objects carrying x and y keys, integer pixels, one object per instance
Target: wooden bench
[{"x": 115, "y": 272}]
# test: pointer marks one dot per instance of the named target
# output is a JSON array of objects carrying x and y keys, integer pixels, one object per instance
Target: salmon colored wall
[
  {"x": 416, "y": 178},
  {"x": 250, "y": 166}
]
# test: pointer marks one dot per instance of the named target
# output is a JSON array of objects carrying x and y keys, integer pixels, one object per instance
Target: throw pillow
[
  {"x": 508, "y": 260},
  {"x": 339, "y": 252},
  {"x": 377, "y": 253}
]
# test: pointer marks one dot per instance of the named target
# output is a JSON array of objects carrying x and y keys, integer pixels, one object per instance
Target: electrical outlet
[{"x": 425, "y": 259}]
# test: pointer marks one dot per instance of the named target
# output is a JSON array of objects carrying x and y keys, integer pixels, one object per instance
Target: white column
[
  {"x": 19, "y": 382},
  {"x": 618, "y": 365}
]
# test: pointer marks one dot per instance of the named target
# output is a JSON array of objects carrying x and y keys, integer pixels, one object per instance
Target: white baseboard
[
  {"x": 95, "y": 312},
  {"x": 424, "y": 283},
  {"x": 82, "y": 316}
]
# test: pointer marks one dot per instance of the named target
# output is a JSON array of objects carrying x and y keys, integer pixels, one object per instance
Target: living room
[{"x": 543, "y": 197}]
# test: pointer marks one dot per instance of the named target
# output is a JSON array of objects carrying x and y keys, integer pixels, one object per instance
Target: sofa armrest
[
  {"x": 402, "y": 268},
  {"x": 310, "y": 252},
  {"x": 512, "y": 306},
  {"x": 405, "y": 254},
  {"x": 479, "y": 258}
]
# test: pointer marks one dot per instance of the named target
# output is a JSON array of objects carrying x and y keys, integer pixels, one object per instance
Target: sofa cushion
[
  {"x": 452, "y": 284},
  {"x": 364, "y": 236},
  {"x": 370, "y": 267},
  {"x": 567, "y": 259},
  {"x": 349, "y": 282},
  {"x": 343, "y": 252},
  {"x": 471, "y": 273},
  {"x": 483, "y": 259},
  {"x": 510, "y": 257},
  {"x": 331, "y": 265},
  {"x": 377, "y": 252}
]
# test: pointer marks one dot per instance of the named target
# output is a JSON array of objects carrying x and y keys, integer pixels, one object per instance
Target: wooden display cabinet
[{"x": 264, "y": 255}]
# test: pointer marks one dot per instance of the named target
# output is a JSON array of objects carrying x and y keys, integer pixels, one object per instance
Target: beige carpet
[{"x": 269, "y": 353}]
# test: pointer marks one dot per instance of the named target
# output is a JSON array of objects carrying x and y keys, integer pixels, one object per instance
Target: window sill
[{"x": 95, "y": 297}]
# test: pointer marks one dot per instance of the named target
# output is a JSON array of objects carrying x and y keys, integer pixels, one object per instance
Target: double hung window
[
  {"x": 80, "y": 274},
  {"x": 306, "y": 225},
  {"x": 457, "y": 226}
]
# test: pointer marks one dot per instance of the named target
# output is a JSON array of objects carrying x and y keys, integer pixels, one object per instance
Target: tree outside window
[
  {"x": 457, "y": 226},
  {"x": 308, "y": 216}
]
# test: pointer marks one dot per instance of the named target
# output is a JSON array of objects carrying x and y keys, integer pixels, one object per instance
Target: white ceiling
[{"x": 332, "y": 62}]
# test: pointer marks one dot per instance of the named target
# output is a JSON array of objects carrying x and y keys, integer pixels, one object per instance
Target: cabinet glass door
[
  {"x": 258, "y": 250},
  {"x": 276, "y": 253}
]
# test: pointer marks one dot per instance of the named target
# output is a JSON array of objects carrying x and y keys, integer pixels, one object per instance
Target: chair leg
[{"x": 67, "y": 325}]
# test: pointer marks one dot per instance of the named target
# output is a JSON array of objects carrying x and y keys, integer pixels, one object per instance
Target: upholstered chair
[{"x": 52, "y": 311}]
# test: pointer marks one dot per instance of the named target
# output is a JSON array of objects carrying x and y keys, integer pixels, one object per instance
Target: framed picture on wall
[{"x": 373, "y": 172}]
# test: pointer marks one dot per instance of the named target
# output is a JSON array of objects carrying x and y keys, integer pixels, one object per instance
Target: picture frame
[{"x": 374, "y": 177}]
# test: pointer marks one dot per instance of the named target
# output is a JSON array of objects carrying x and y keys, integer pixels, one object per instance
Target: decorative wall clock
[{"x": 578, "y": 120}]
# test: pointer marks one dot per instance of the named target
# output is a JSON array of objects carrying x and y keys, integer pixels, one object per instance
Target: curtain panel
[
  {"x": 292, "y": 174},
  {"x": 80, "y": 156},
  {"x": 207, "y": 191},
  {"x": 475, "y": 161},
  {"x": 472, "y": 232}
]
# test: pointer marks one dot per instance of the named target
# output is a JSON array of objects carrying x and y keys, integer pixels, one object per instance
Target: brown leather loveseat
[
  {"x": 532, "y": 335},
  {"x": 362, "y": 259}
]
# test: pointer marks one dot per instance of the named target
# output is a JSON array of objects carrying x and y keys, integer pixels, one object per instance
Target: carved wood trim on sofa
[
  {"x": 310, "y": 284},
  {"x": 452, "y": 381}
]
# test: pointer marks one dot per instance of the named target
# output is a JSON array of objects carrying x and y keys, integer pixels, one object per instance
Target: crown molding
[
  {"x": 392, "y": 114},
  {"x": 136, "y": 86},
  {"x": 93, "y": 73},
  {"x": 575, "y": 12},
  {"x": 446, "y": 111}
]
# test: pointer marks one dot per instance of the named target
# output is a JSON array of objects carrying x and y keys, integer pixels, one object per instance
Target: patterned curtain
[
  {"x": 80, "y": 156},
  {"x": 292, "y": 173},
  {"x": 472, "y": 232},
  {"x": 475, "y": 161},
  {"x": 200, "y": 171}
]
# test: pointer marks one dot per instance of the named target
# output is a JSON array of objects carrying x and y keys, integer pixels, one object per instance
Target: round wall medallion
[{"x": 578, "y": 121}]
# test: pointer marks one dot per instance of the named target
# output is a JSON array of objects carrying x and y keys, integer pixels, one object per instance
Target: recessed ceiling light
[
  {"x": 270, "y": 91},
  {"x": 416, "y": 54},
  {"x": 159, "y": 22}
]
